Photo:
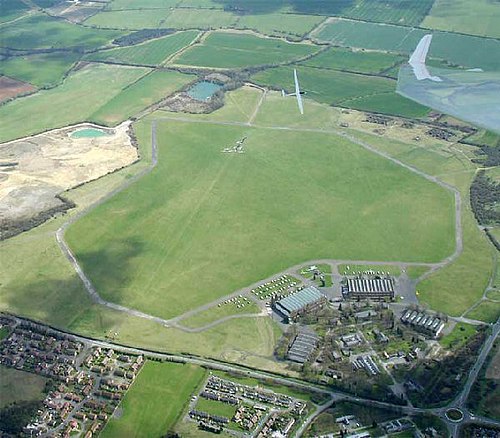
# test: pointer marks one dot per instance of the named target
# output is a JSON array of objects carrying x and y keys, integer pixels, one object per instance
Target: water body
[
  {"x": 203, "y": 90},
  {"x": 88, "y": 133}
]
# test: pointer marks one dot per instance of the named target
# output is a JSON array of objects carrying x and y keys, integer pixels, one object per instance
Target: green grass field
[
  {"x": 141, "y": 4},
  {"x": 150, "y": 53},
  {"x": 86, "y": 90},
  {"x": 465, "y": 50},
  {"x": 42, "y": 31},
  {"x": 354, "y": 61},
  {"x": 215, "y": 408},
  {"x": 139, "y": 95},
  {"x": 233, "y": 50},
  {"x": 477, "y": 18},
  {"x": 44, "y": 70},
  {"x": 279, "y": 24},
  {"x": 163, "y": 18},
  {"x": 12, "y": 9},
  {"x": 458, "y": 336},
  {"x": 487, "y": 311},
  {"x": 18, "y": 386},
  {"x": 349, "y": 90},
  {"x": 154, "y": 238},
  {"x": 155, "y": 401},
  {"x": 206, "y": 317}
]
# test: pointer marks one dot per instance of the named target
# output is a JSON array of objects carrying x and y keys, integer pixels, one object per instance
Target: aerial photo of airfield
[{"x": 249, "y": 218}]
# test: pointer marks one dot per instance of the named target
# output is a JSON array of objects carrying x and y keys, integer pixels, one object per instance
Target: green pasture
[
  {"x": 151, "y": 248},
  {"x": 493, "y": 294},
  {"x": 465, "y": 50},
  {"x": 43, "y": 32},
  {"x": 151, "y": 53},
  {"x": 480, "y": 17},
  {"x": 16, "y": 386},
  {"x": 147, "y": 90},
  {"x": 156, "y": 400},
  {"x": 141, "y": 5},
  {"x": 12, "y": 9},
  {"x": 279, "y": 24},
  {"x": 487, "y": 311},
  {"x": 84, "y": 92},
  {"x": 232, "y": 50},
  {"x": 163, "y": 18},
  {"x": 357, "y": 61},
  {"x": 416, "y": 271},
  {"x": 458, "y": 337},
  {"x": 344, "y": 89},
  {"x": 216, "y": 313},
  {"x": 42, "y": 70}
]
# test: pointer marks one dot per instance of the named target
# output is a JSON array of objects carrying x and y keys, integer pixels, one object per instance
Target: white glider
[
  {"x": 297, "y": 92},
  {"x": 417, "y": 60}
]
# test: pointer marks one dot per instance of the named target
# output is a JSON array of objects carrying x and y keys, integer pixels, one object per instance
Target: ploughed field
[{"x": 205, "y": 223}]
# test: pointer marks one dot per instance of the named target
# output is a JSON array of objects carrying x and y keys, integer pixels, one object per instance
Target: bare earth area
[
  {"x": 11, "y": 88},
  {"x": 34, "y": 171}
]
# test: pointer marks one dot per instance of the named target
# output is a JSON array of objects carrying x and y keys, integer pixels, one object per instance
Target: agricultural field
[
  {"x": 233, "y": 50},
  {"x": 10, "y": 88},
  {"x": 16, "y": 386},
  {"x": 149, "y": 89},
  {"x": 41, "y": 70},
  {"x": 155, "y": 401},
  {"x": 458, "y": 16},
  {"x": 354, "y": 61},
  {"x": 464, "y": 50},
  {"x": 131, "y": 265},
  {"x": 12, "y": 9},
  {"x": 150, "y": 53},
  {"x": 44, "y": 32},
  {"x": 343, "y": 89},
  {"x": 163, "y": 18},
  {"x": 279, "y": 24},
  {"x": 88, "y": 89},
  {"x": 141, "y": 5}
]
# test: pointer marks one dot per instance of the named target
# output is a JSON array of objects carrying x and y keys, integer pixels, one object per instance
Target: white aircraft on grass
[{"x": 297, "y": 93}]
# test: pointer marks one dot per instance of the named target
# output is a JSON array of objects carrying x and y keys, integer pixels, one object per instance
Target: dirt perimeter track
[{"x": 154, "y": 161}]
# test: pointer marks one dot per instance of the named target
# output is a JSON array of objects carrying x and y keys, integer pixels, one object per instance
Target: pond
[
  {"x": 203, "y": 90},
  {"x": 88, "y": 133}
]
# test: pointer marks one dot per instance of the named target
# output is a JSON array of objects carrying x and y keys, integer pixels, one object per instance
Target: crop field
[
  {"x": 10, "y": 88},
  {"x": 465, "y": 50},
  {"x": 151, "y": 53},
  {"x": 88, "y": 89},
  {"x": 406, "y": 12},
  {"x": 42, "y": 70},
  {"x": 149, "y": 247},
  {"x": 279, "y": 24},
  {"x": 139, "y": 95},
  {"x": 163, "y": 18},
  {"x": 41, "y": 31},
  {"x": 345, "y": 89},
  {"x": 18, "y": 386},
  {"x": 354, "y": 61},
  {"x": 458, "y": 16},
  {"x": 232, "y": 50},
  {"x": 155, "y": 401}
]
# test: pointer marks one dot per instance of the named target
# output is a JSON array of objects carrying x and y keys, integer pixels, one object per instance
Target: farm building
[
  {"x": 369, "y": 288},
  {"x": 293, "y": 305}
]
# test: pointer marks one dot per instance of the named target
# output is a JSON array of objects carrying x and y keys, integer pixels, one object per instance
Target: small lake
[
  {"x": 88, "y": 133},
  {"x": 203, "y": 90}
]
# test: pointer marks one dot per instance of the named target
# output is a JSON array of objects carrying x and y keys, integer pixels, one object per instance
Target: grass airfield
[{"x": 204, "y": 224}]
